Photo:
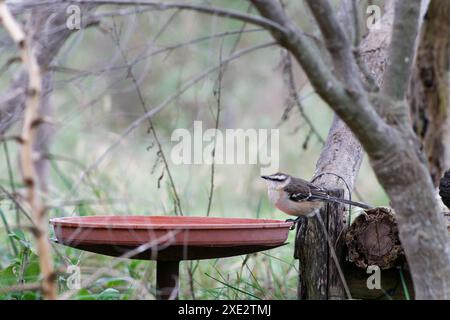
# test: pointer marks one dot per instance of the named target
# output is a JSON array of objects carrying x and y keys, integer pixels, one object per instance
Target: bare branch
[
  {"x": 145, "y": 55},
  {"x": 401, "y": 52},
  {"x": 178, "y": 208},
  {"x": 164, "y": 104},
  {"x": 232, "y": 14},
  {"x": 21, "y": 287},
  {"x": 337, "y": 43},
  {"x": 351, "y": 104},
  {"x": 11, "y": 25}
]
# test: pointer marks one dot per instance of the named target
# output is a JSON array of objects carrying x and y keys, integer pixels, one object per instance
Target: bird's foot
[
  {"x": 313, "y": 213},
  {"x": 294, "y": 222}
]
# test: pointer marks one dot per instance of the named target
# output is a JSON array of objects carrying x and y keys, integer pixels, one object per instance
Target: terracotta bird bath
[{"x": 169, "y": 240}]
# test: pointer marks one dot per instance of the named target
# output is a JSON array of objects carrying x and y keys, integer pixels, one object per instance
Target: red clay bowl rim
[{"x": 260, "y": 223}]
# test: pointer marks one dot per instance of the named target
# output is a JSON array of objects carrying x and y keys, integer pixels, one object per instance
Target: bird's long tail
[{"x": 345, "y": 201}]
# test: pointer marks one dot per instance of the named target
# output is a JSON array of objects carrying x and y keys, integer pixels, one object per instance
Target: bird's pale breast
[{"x": 283, "y": 203}]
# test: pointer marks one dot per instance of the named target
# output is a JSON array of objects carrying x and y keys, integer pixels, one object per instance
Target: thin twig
[
  {"x": 151, "y": 126},
  {"x": 17, "y": 139},
  {"x": 11, "y": 180},
  {"x": 221, "y": 12},
  {"x": 293, "y": 92},
  {"x": 165, "y": 103},
  {"x": 18, "y": 205},
  {"x": 8, "y": 231},
  {"x": 218, "y": 94},
  {"x": 21, "y": 287},
  {"x": 153, "y": 246},
  {"x": 143, "y": 56}
]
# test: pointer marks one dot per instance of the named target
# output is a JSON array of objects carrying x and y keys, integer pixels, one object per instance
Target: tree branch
[
  {"x": 401, "y": 52},
  {"x": 352, "y": 106},
  {"x": 337, "y": 43},
  {"x": 226, "y": 13}
]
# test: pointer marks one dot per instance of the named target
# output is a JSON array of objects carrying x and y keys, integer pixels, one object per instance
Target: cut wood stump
[{"x": 372, "y": 239}]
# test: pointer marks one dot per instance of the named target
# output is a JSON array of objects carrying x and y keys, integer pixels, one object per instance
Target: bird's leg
[
  {"x": 313, "y": 213},
  {"x": 294, "y": 222}
]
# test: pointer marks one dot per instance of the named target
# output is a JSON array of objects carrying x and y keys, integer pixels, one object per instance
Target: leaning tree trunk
[
  {"x": 429, "y": 88},
  {"x": 341, "y": 157}
]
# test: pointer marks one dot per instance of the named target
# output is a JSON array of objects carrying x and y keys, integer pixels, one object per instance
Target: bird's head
[{"x": 277, "y": 180}]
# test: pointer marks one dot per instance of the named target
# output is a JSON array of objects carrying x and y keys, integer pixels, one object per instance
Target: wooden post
[{"x": 319, "y": 277}]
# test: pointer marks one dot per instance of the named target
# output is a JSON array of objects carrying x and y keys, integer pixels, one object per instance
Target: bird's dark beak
[{"x": 265, "y": 177}]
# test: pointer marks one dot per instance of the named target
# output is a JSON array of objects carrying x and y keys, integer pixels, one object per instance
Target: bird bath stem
[
  {"x": 169, "y": 240},
  {"x": 167, "y": 274}
]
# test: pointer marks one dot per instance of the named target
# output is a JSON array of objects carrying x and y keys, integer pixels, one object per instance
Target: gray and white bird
[{"x": 298, "y": 197}]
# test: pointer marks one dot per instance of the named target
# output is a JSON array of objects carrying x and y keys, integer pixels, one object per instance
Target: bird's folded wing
[{"x": 302, "y": 190}]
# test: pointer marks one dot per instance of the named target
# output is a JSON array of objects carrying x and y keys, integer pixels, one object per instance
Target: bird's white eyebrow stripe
[{"x": 278, "y": 177}]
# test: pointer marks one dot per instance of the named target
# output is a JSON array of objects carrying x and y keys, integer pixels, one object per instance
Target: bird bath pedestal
[{"x": 169, "y": 240}]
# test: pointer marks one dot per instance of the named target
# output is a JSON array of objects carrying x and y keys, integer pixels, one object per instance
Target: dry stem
[{"x": 31, "y": 120}]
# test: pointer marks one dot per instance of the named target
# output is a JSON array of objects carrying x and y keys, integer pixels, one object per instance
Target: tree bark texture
[
  {"x": 319, "y": 276},
  {"x": 372, "y": 239},
  {"x": 429, "y": 88}
]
